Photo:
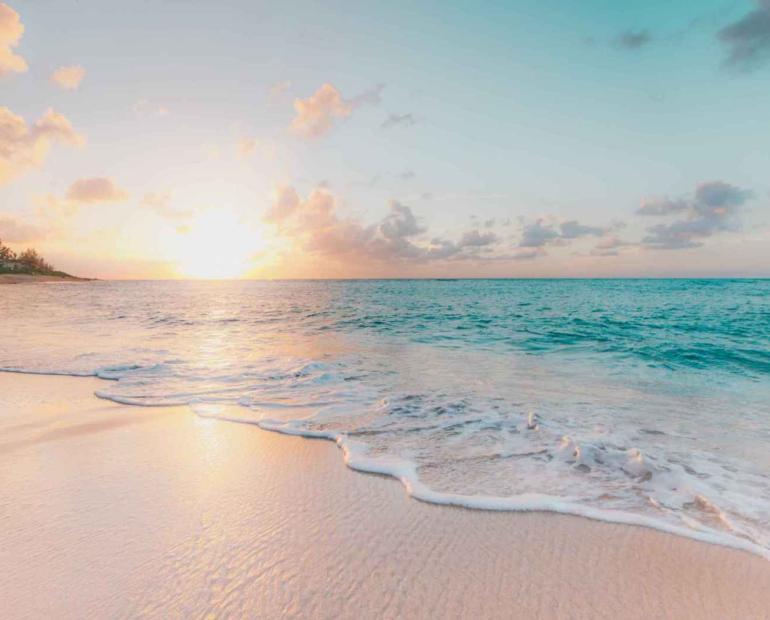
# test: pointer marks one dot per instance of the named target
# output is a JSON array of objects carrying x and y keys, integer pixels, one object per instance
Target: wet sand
[{"x": 115, "y": 511}]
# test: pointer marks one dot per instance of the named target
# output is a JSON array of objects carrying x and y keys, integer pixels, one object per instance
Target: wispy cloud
[
  {"x": 145, "y": 107},
  {"x": 247, "y": 147},
  {"x": 633, "y": 39},
  {"x": 748, "y": 39},
  {"x": 13, "y": 230},
  {"x": 399, "y": 120},
  {"x": 572, "y": 229},
  {"x": 11, "y": 31},
  {"x": 69, "y": 77},
  {"x": 373, "y": 96},
  {"x": 278, "y": 89},
  {"x": 161, "y": 203},
  {"x": 23, "y": 147},
  {"x": 662, "y": 206},
  {"x": 95, "y": 190},
  {"x": 610, "y": 246}
]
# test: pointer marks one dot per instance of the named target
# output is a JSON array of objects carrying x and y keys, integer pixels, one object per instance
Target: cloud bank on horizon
[{"x": 452, "y": 169}]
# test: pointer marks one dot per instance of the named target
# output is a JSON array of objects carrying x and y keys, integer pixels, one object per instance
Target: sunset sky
[{"x": 339, "y": 139}]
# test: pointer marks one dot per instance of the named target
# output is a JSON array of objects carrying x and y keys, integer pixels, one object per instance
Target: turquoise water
[{"x": 636, "y": 400}]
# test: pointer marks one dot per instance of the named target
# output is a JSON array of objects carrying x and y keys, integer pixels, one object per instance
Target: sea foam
[{"x": 634, "y": 402}]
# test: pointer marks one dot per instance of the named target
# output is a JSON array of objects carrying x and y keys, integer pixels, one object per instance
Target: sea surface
[{"x": 635, "y": 401}]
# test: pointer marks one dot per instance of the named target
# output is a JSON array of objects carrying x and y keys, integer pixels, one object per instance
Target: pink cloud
[
  {"x": 14, "y": 231},
  {"x": 316, "y": 114},
  {"x": 316, "y": 227},
  {"x": 11, "y": 31},
  {"x": 94, "y": 191},
  {"x": 69, "y": 77},
  {"x": 23, "y": 147}
]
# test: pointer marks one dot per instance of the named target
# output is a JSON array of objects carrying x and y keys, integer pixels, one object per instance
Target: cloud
[
  {"x": 610, "y": 246},
  {"x": 316, "y": 115},
  {"x": 713, "y": 208},
  {"x": 398, "y": 120},
  {"x": 11, "y": 31},
  {"x": 96, "y": 190},
  {"x": 541, "y": 233},
  {"x": 246, "y": 147},
  {"x": 748, "y": 39},
  {"x": 373, "y": 96},
  {"x": 69, "y": 77},
  {"x": 400, "y": 222},
  {"x": 14, "y": 231},
  {"x": 314, "y": 224},
  {"x": 278, "y": 89},
  {"x": 573, "y": 230},
  {"x": 633, "y": 39},
  {"x": 662, "y": 206},
  {"x": 473, "y": 238},
  {"x": 527, "y": 253},
  {"x": 538, "y": 234},
  {"x": 160, "y": 202},
  {"x": 144, "y": 107},
  {"x": 23, "y": 147}
]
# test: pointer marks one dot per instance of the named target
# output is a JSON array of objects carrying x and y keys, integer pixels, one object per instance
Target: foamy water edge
[{"x": 356, "y": 457}]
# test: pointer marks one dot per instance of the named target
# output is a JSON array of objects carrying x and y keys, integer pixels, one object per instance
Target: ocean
[{"x": 634, "y": 401}]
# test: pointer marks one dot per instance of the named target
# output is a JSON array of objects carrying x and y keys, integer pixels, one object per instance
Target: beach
[
  {"x": 25, "y": 278},
  {"x": 118, "y": 511}
]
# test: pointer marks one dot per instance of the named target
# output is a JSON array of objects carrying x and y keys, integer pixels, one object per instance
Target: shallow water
[{"x": 645, "y": 401}]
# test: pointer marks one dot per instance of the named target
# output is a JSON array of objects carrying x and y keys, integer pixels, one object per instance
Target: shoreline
[
  {"x": 161, "y": 512},
  {"x": 27, "y": 278}
]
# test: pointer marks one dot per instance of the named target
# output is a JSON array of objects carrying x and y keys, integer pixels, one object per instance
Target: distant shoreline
[{"x": 29, "y": 278}]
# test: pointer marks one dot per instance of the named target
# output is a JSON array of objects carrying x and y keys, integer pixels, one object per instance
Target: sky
[{"x": 240, "y": 139}]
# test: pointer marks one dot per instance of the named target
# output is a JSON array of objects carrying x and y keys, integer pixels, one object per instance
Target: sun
[{"x": 216, "y": 246}]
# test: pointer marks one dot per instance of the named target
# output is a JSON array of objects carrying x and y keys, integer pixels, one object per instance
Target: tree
[
  {"x": 6, "y": 253},
  {"x": 33, "y": 261}
]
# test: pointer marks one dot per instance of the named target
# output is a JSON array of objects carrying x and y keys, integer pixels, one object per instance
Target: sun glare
[{"x": 217, "y": 246}]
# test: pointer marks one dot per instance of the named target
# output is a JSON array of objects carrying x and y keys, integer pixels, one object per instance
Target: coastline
[
  {"x": 122, "y": 510},
  {"x": 26, "y": 278}
]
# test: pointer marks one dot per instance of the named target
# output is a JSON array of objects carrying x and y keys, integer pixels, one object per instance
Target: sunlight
[{"x": 217, "y": 246}]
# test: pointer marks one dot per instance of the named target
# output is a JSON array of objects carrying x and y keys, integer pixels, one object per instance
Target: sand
[
  {"x": 26, "y": 278},
  {"x": 115, "y": 511}
]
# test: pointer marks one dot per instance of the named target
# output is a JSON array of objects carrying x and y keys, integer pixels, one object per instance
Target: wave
[{"x": 357, "y": 456}]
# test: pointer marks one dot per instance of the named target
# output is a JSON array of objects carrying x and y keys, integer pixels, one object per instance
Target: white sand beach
[{"x": 116, "y": 511}]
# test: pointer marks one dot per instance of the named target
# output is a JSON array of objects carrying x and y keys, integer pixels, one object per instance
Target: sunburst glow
[{"x": 216, "y": 246}]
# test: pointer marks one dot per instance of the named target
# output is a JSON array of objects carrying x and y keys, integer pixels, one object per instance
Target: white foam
[
  {"x": 405, "y": 471},
  {"x": 663, "y": 482}
]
